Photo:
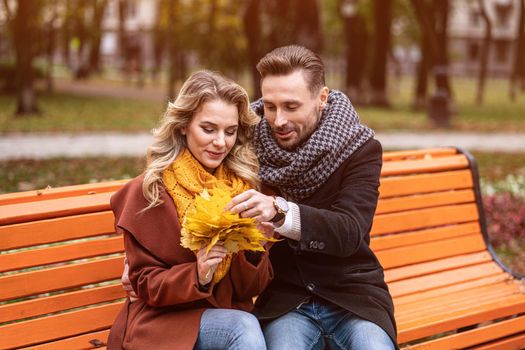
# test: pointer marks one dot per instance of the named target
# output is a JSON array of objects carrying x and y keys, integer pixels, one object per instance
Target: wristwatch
[{"x": 281, "y": 206}]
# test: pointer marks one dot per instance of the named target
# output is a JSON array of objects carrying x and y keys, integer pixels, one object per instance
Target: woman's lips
[{"x": 215, "y": 155}]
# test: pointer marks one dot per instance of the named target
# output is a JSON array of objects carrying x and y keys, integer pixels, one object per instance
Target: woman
[{"x": 203, "y": 138}]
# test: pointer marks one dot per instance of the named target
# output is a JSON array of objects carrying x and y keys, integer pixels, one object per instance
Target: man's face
[{"x": 292, "y": 111}]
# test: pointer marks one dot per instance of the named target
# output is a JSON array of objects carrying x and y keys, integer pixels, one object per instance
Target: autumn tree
[
  {"x": 284, "y": 23},
  {"x": 484, "y": 52},
  {"x": 518, "y": 69},
  {"x": 25, "y": 30}
]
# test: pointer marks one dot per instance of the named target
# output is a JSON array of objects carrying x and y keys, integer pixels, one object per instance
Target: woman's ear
[{"x": 183, "y": 131}]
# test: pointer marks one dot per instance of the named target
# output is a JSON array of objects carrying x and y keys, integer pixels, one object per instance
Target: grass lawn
[
  {"x": 498, "y": 113},
  {"x": 70, "y": 113}
]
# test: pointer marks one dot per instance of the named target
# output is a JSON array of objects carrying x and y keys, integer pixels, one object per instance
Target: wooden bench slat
[
  {"x": 418, "y": 154},
  {"x": 32, "y": 211},
  {"x": 425, "y": 268},
  {"x": 70, "y": 300},
  {"x": 425, "y": 183},
  {"x": 512, "y": 343},
  {"x": 440, "y": 279},
  {"x": 475, "y": 336},
  {"x": 58, "y": 326},
  {"x": 57, "y": 278},
  {"x": 424, "y": 218},
  {"x": 431, "y": 251},
  {"x": 61, "y": 192},
  {"x": 61, "y": 253},
  {"x": 424, "y": 201},
  {"x": 423, "y": 236},
  {"x": 80, "y": 342},
  {"x": 457, "y": 319},
  {"x": 55, "y": 230},
  {"x": 443, "y": 291},
  {"x": 464, "y": 300},
  {"x": 424, "y": 165}
]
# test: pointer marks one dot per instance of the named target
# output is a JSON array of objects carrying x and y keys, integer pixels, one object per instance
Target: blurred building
[
  {"x": 139, "y": 19},
  {"x": 467, "y": 31}
]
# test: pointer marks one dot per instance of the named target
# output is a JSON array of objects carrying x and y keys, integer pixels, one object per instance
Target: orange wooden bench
[{"x": 60, "y": 261}]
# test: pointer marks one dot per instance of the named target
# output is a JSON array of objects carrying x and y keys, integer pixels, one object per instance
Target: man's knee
[{"x": 363, "y": 334}]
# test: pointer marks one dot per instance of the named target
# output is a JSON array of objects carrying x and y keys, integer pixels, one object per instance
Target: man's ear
[{"x": 323, "y": 96}]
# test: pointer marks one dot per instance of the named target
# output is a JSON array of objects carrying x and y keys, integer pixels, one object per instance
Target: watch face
[{"x": 282, "y": 204}]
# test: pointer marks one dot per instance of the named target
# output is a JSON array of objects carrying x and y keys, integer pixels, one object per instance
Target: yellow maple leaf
[{"x": 206, "y": 223}]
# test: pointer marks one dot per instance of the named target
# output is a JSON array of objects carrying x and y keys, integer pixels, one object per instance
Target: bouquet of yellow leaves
[{"x": 206, "y": 223}]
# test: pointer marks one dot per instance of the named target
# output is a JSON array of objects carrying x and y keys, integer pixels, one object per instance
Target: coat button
[
  {"x": 310, "y": 287},
  {"x": 321, "y": 245},
  {"x": 313, "y": 244}
]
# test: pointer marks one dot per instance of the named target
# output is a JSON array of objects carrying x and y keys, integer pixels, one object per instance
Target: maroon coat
[{"x": 164, "y": 276}]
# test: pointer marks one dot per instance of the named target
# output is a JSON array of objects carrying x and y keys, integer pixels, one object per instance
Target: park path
[{"x": 42, "y": 145}]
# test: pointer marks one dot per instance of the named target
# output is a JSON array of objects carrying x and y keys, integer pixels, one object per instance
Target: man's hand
[
  {"x": 126, "y": 284},
  {"x": 253, "y": 204}
]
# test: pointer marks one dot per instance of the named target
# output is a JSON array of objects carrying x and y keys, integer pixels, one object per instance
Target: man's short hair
[{"x": 287, "y": 59}]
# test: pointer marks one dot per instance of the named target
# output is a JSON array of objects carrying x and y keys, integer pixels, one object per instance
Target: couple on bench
[{"x": 299, "y": 166}]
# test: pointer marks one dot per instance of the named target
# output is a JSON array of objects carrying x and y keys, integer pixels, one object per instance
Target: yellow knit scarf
[{"x": 186, "y": 177}]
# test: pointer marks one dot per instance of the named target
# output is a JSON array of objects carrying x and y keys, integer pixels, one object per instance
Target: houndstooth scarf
[{"x": 299, "y": 173}]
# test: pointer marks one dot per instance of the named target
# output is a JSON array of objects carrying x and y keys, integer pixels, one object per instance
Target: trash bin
[{"x": 439, "y": 109}]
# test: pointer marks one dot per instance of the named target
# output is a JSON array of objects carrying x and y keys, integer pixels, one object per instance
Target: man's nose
[{"x": 280, "y": 119}]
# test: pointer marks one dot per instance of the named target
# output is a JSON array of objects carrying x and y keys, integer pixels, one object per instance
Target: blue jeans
[
  {"x": 229, "y": 329},
  {"x": 310, "y": 324}
]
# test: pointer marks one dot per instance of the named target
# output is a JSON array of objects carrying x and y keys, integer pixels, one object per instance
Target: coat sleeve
[
  {"x": 340, "y": 228},
  {"x": 158, "y": 284},
  {"x": 249, "y": 280}
]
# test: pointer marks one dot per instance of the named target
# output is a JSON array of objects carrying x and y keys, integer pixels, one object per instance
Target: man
[{"x": 328, "y": 285}]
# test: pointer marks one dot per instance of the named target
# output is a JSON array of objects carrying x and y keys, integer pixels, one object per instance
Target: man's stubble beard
[{"x": 303, "y": 138}]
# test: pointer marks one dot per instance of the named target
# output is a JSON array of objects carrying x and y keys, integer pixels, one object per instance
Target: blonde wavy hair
[{"x": 199, "y": 88}]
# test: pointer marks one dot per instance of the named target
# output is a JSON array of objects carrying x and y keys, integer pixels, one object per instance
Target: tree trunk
[
  {"x": 518, "y": 71},
  {"x": 356, "y": 39},
  {"x": 173, "y": 50},
  {"x": 99, "y": 7},
  {"x": 252, "y": 30},
  {"x": 25, "y": 30},
  {"x": 66, "y": 33},
  {"x": 307, "y": 24},
  {"x": 442, "y": 65},
  {"x": 50, "y": 48},
  {"x": 378, "y": 78},
  {"x": 420, "y": 101},
  {"x": 484, "y": 54},
  {"x": 435, "y": 29},
  {"x": 122, "y": 37}
]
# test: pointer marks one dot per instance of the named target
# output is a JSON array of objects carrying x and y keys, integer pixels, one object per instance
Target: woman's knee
[
  {"x": 248, "y": 332},
  {"x": 237, "y": 329}
]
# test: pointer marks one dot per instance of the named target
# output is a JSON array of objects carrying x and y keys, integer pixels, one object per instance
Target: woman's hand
[
  {"x": 253, "y": 204},
  {"x": 207, "y": 263}
]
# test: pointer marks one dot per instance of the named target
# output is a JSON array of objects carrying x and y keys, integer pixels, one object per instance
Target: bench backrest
[{"x": 60, "y": 259}]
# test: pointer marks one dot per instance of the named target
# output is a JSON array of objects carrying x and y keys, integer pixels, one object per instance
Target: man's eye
[
  {"x": 270, "y": 108},
  {"x": 292, "y": 108}
]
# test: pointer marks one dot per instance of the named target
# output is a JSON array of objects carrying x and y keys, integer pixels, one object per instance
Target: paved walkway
[{"x": 41, "y": 146}]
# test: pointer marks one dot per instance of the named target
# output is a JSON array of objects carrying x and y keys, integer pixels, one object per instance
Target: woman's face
[{"x": 212, "y": 132}]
